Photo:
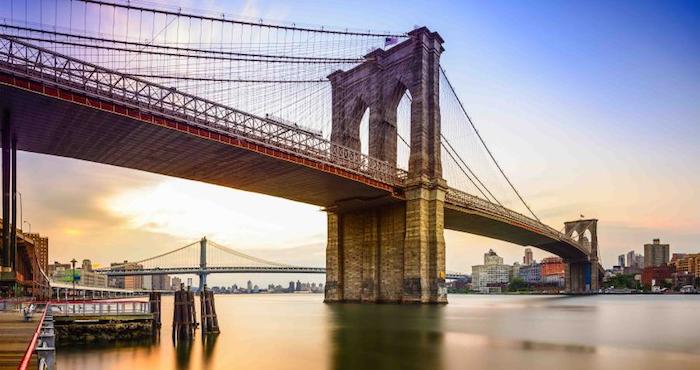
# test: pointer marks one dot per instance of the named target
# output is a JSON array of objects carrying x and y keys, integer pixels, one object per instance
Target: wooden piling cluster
[
  {"x": 154, "y": 303},
  {"x": 210, "y": 323},
  {"x": 184, "y": 315}
]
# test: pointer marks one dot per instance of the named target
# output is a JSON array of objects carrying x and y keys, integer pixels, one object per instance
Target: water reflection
[
  {"x": 289, "y": 332},
  {"x": 386, "y": 337},
  {"x": 183, "y": 352},
  {"x": 209, "y": 344}
]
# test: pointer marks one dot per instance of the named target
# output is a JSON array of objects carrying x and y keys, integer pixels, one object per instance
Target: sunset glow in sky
[{"x": 592, "y": 108}]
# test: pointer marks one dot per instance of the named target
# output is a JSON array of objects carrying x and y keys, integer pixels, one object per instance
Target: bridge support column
[
  {"x": 5, "y": 142},
  {"x": 202, "y": 263},
  {"x": 582, "y": 276},
  {"x": 389, "y": 253},
  {"x": 579, "y": 277},
  {"x": 424, "y": 253},
  {"x": 364, "y": 256},
  {"x": 393, "y": 252}
]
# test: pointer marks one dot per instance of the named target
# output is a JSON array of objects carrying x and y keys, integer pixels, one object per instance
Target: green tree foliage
[
  {"x": 621, "y": 282},
  {"x": 517, "y": 284}
]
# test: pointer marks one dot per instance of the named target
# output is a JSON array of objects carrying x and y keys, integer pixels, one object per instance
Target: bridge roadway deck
[
  {"x": 54, "y": 126},
  {"x": 63, "y": 121},
  {"x": 15, "y": 335},
  {"x": 472, "y": 221}
]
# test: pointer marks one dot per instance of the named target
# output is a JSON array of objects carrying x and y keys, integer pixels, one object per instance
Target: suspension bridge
[
  {"x": 365, "y": 124},
  {"x": 205, "y": 257}
]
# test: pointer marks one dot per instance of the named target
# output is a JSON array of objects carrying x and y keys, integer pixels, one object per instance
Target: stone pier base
[
  {"x": 581, "y": 277},
  {"x": 391, "y": 253}
]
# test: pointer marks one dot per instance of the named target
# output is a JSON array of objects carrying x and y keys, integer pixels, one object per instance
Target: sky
[{"x": 591, "y": 107}]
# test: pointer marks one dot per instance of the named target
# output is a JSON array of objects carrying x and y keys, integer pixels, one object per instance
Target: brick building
[
  {"x": 41, "y": 246},
  {"x": 656, "y": 275},
  {"x": 553, "y": 270}
]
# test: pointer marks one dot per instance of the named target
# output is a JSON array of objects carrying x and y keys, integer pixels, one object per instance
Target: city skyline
[{"x": 106, "y": 213}]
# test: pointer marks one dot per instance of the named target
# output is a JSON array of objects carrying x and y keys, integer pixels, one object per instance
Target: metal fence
[{"x": 92, "y": 308}]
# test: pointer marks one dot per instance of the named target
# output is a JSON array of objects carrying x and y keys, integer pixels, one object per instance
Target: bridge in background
[
  {"x": 298, "y": 113},
  {"x": 206, "y": 257}
]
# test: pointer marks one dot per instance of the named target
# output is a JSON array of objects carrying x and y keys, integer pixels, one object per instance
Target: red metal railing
[
  {"x": 26, "y": 359},
  {"x": 32, "y": 344}
]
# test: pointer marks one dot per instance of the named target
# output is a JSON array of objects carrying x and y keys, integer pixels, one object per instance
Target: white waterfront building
[{"x": 492, "y": 272}]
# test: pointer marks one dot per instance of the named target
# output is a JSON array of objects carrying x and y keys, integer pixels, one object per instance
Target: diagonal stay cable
[
  {"x": 452, "y": 149},
  {"x": 469, "y": 169},
  {"x": 449, "y": 84}
]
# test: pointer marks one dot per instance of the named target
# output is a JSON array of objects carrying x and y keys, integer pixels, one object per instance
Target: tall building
[
  {"x": 147, "y": 282},
  {"x": 41, "y": 245},
  {"x": 160, "y": 282},
  {"x": 656, "y": 254},
  {"x": 492, "y": 272},
  {"x": 126, "y": 282},
  {"x": 87, "y": 265},
  {"x": 631, "y": 259},
  {"x": 527, "y": 259},
  {"x": 621, "y": 260},
  {"x": 250, "y": 286}
]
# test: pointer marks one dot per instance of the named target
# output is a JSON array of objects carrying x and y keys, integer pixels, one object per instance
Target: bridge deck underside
[
  {"x": 54, "y": 126},
  {"x": 462, "y": 219}
]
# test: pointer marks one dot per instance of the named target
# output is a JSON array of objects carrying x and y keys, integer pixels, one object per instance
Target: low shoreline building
[{"x": 492, "y": 274}]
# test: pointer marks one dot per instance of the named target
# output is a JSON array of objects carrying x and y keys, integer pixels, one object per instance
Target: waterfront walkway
[{"x": 15, "y": 335}]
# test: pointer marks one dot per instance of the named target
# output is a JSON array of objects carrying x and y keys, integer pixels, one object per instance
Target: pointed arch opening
[
  {"x": 403, "y": 130},
  {"x": 364, "y": 132},
  {"x": 587, "y": 238},
  {"x": 575, "y": 235},
  {"x": 398, "y": 113},
  {"x": 357, "y": 126}
]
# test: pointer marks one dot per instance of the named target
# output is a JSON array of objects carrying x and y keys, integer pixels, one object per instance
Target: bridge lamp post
[{"x": 73, "y": 261}]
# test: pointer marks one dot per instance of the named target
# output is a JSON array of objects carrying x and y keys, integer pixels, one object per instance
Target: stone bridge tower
[
  {"x": 391, "y": 251},
  {"x": 582, "y": 276}
]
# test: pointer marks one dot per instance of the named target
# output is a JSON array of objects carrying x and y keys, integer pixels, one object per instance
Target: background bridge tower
[
  {"x": 582, "y": 276},
  {"x": 202, "y": 263},
  {"x": 383, "y": 249}
]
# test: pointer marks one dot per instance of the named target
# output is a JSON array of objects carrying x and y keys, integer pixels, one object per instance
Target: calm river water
[{"x": 298, "y": 331}]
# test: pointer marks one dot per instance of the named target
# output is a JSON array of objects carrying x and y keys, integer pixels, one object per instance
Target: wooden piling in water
[
  {"x": 210, "y": 322},
  {"x": 184, "y": 315},
  {"x": 154, "y": 303}
]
